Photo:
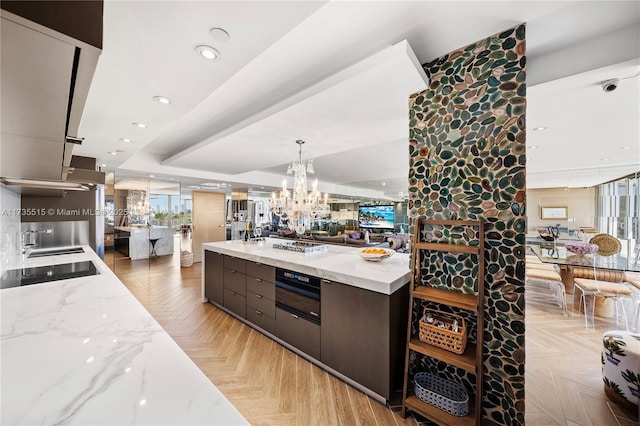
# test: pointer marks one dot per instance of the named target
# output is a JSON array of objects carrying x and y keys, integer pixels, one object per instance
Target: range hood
[
  {"x": 45, "y": 81},
  {"x": 45, "y": 184}
]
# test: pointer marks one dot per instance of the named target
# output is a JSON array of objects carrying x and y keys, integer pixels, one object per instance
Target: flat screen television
[{"x": 380, "y": 216}]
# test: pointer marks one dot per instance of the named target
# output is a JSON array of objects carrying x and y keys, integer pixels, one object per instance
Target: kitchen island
[
  {"x": 339, "y": 311},
  {"x": 141, "y": 242},
  {"x": 84, "y": 351}
]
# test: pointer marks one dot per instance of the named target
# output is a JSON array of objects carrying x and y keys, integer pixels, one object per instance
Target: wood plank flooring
[
  {"x": 266, "y": 382},
  {"x": 270, "y": 385}
]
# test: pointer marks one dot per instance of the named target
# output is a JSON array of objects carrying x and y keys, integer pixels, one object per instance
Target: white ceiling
[{"x": 291, "y": 71}]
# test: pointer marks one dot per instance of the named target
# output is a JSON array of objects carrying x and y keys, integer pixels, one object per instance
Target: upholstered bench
[
  {"x": 621, "y": 367},
  {"x": 595, "y": 288}
]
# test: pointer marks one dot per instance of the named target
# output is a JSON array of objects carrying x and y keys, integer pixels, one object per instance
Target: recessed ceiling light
[
  {"x": 384, "y": 183},
  {"x": 172, "y": 178},
  {"x": 604, "y": 159},
  {"x": 113, "y": 152},
  {"x": 537, "y": 129},
  {"x": 220, "y": 35},
  {"x": 208, "y": 52},
  {"x": 127, "y": 140},
  {"x": 624, "y": 148},
  {"x": 162, "y": 99},
  {"x": 141, "y": 125},
  {"x": 532, "y": 146},
  {"x": 152, "y": 176}
]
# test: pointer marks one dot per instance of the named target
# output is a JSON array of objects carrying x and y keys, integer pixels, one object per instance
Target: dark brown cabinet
[
  {"x": 213, "y": 277},
  {"x": 235, "y": 285},
  {"x": 298, "y": 332},
  {"x": 261, "y": 296},
  {"x": 362, "y": 334}
]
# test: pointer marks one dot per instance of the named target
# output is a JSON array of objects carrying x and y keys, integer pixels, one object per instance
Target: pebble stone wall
[{"x": 467, "y": 161}]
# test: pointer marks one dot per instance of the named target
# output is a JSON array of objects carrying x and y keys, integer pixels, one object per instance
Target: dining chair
[
  {"x": 607, "y": 244},
  {"x": 550, "y": 277},
  {"x": 592, "y": 288}
]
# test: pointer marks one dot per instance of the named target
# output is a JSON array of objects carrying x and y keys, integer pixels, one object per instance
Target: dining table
[{"x": 558, "y": 254}]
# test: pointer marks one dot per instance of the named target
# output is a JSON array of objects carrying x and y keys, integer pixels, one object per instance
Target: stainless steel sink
[{"x": 55, "y": 252}]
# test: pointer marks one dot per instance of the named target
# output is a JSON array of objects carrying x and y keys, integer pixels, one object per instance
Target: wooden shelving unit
[{"x": 471, "y": 359}]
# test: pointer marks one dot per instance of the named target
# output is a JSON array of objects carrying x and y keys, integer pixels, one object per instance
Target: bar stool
[{"x": 153, "y": 242}]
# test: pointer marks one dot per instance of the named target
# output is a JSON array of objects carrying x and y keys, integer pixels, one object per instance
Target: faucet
[{"x": 28, "y": 243}]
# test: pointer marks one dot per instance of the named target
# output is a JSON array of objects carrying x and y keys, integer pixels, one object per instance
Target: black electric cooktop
[{"x": 43, "y": 274}]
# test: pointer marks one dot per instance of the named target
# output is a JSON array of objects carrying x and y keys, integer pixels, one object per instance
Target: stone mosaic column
[{"x": 467, "y": 161}]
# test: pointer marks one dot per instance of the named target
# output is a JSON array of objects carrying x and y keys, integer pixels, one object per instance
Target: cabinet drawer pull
[
  {"x": 234, "y": 293},
  {"x": 326, "y": 281},
  {"x": 258, "y": 312},
  {"x": 259, "y": 280},
  {"x": 259, "y": 296},
  {"x": 314, "y": 314},
  {"x": 295, "y": 316},
  {"x": 232, "y": 271}
]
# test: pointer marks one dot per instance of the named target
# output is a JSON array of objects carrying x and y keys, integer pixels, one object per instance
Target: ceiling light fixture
[
  {"x": 604, "y": 159},
  {"x": 208, "y": 52},
  {"x": 162, "y": 99},
  {"x": 303, "y": 207},
  {"x": 117, "y": 152},
  {"x": 127, "y": 140},
  {"x": 532, "y": 146},
  {"x": 219, "y": 35},
  {"x": 537, "y": 129},
  {"x": 624, "y": 148},
  {"x": 152, "y": 176},
  {"x": 140, "y": 125}
]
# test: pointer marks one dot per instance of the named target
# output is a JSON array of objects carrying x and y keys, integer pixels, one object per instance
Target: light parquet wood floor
[
  {"x": 270, "y": 385},
  {"x": 563, "y": 376},
  {"x": 267, "y": 383}
]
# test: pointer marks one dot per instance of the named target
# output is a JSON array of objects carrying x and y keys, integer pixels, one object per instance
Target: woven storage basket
[
  {"x": 443, "y": 394},
  {"x": 443, "y": 337},
  {"x": 186, "y": 259}
]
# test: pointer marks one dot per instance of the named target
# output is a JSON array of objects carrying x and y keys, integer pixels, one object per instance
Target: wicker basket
[
  {"x": 442, "y": 331},
  {"x": 443, "y": 394}
]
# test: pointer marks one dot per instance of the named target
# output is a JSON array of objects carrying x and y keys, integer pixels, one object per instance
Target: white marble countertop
[
  {"x": 340, "y": 263},
  {"x": 84, "y": 351}
]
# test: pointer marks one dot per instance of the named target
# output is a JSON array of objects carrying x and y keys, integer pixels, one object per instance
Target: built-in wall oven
[{"x": 298, "y": 294}]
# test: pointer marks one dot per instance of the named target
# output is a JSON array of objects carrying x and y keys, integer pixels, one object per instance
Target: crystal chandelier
[{"x": 303, "y": 207}]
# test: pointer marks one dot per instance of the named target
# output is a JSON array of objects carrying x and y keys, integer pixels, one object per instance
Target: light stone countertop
[
  {"x": 84, "y": 351},
  {"x": 340, "y": 263}
]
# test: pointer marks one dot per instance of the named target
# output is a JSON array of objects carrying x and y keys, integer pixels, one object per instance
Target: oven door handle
[
  {"x": 295, "y": 316},
  {"x": 314, "y": 314}
]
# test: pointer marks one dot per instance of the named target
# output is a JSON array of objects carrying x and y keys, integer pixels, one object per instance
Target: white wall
[
  {"x": 580, "y": 201},
  {"x": 9, "y": 226}
]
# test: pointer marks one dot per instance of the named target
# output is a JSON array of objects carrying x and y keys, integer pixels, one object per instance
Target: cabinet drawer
[
  {"x": 262, "y": 271},
  {"x": 260, "y": 319},
  {"x": 239, "y": 265},
  {"x": 235, "y": 302},
  {"x": 261, "y": 303},
  {"x": 235, "y": 281},
  {"x": 260, "y": 286},
  {"x": 298, "y": 332}
]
